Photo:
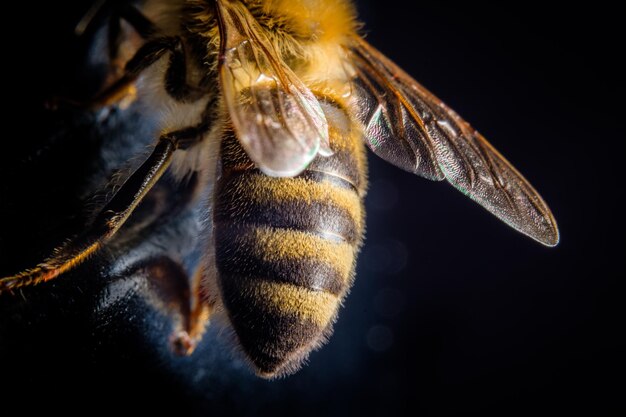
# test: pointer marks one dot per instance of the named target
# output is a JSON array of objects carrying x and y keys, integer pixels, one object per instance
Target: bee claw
[{"x": 183, "y": 344}]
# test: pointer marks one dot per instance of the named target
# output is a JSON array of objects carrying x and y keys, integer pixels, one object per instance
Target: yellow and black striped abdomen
[{"x": 286, "y": 247}]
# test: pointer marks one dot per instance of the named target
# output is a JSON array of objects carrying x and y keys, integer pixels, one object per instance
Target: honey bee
[{"x": 272, "y": 102}]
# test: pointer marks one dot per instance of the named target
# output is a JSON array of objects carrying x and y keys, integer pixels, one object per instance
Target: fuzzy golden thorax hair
[
  {"x": 302, "y": 30},
  {"x": 306, "y": 20}
]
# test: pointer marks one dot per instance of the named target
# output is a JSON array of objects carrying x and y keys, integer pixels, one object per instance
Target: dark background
[{"x": 452, "y": 312}]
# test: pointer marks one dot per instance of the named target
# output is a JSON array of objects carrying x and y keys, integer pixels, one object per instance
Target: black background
[{"x": 452, "y": 312}]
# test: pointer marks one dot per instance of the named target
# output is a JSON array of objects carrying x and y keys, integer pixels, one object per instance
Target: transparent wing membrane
[
  {"x": 411, "y": 128},
  {"x": 278, "y": 120}
]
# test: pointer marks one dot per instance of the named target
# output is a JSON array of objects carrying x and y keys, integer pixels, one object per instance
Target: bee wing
[
  {"x": 411, "y": 128},
  {"x": 278, "y": 120}
]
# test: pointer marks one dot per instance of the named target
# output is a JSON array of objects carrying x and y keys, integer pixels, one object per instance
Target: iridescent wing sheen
[
  {"x": 411, "y": 128},
  {"x": 278, "y": 120}
]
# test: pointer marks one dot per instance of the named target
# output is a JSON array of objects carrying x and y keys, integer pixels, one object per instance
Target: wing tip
[
  {"x": 549, "y": 242},
  {"x": 549, "y": 237},
  {"x": 553, "y": 238}
]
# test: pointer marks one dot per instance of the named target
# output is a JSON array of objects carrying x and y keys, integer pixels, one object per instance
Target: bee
[{"x": 272, "y": 103}]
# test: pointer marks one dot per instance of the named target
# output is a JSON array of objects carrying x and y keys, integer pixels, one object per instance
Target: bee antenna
[{"x": 89, "y": 17}]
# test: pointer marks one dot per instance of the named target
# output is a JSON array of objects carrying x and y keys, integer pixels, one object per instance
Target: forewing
[
  {"x": 278, "y": 121},
  {"x": 411, "y": 128}
]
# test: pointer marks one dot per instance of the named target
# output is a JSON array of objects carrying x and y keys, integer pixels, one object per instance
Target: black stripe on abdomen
[
  {"x": 322, "y": 217},
  {"x": 241, "y": 254}
]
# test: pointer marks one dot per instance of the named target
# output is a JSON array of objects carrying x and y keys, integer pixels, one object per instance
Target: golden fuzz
[
  {"x": 279, "y": 244},
  {"x": 309, "y": 20},
  {"x": 307, "y": 33},
  {"x": 265, "y": 190},
  {"x": 289, "y": 300}
]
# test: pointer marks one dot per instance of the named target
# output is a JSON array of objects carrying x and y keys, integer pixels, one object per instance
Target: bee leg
[
  {"x": 143, "y": 26},
  {"x": 175, "y": 78},
  {"x": 121, "y": 47},
  {"x": 113, "y": 215},
  {"x": 189, "y": 332},
  {"x": 137, "y": 20}
]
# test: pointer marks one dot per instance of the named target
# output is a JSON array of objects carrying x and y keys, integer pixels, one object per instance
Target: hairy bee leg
[
  {"x": 144, "y": 27},
  {"x": 175, "y": 292},
  {"x": 113, "y": 215},
  {"x": 175, "y": 77},
  {"x": 128, "y": 12},
  {"x": 115, "y": 92},
  {"x": 185, "y": 338}
]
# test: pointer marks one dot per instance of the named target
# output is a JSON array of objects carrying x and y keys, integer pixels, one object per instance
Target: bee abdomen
[
  {"x": 280, "y": 300},
  {"x": 285, "y": 250}
]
